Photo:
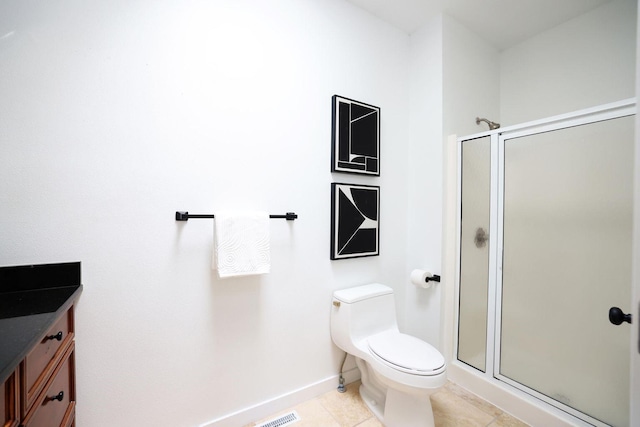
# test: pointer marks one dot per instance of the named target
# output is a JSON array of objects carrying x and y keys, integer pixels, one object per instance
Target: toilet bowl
[{"x": 399, "y": 372}]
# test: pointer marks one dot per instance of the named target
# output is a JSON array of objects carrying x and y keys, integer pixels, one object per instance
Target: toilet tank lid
[{"x": 359, "y": 293}]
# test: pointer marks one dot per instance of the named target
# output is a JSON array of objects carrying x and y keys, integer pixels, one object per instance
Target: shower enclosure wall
[{"x": 544, "y": 252}]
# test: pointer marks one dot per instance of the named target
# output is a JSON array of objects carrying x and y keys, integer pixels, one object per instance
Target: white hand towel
[{"x": 241, "y": 243}]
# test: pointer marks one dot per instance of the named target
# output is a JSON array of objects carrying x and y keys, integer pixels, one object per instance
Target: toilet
[{"x": 399, "y": 372}]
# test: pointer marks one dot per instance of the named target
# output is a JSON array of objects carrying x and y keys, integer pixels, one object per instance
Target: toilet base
[
  {"x": 399, "y": 409},
  {"x": 374, "y": 405},
  {"x": 403, "y": 410}
]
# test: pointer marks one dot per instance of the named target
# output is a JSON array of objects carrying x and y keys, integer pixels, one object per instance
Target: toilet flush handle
[{"x": 336, "y": 303}]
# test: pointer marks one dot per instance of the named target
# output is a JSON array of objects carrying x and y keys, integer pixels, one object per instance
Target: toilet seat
[{"x": 406, "y": 353}]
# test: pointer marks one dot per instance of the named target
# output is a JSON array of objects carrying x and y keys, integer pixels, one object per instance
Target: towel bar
[{"x": 184, "y": 216}]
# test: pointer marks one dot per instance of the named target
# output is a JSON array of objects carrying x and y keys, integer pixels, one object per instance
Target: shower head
[{"x": 492, "y": 125}]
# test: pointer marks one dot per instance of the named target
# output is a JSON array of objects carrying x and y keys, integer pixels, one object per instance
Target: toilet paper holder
[
  {"x": 434, "y": 278},
  {"x": 422, "y": 278}
]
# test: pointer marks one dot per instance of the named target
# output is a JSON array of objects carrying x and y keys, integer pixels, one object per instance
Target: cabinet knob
[
  {"x": 57, "y": 336},
  {"x": 57, "y": 397}
]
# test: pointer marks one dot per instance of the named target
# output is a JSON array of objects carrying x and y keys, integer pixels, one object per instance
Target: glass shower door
[
  {"x": 566, "y": 260},
  {"x": 474, "y": 251}
]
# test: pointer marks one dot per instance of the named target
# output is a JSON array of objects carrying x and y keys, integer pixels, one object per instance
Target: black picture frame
[
  {"x": 355, "y": 137},
  {"x": 355, "y": 220}
]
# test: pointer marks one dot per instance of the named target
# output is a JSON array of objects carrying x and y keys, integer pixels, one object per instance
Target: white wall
[
  {"x": 454, "y": 77},
  {"x": 424, "y": 179},
  {"x": 115, "y": 115},
  {"x": 471, "y": 80},
  {"x": 585, "y": 62}
]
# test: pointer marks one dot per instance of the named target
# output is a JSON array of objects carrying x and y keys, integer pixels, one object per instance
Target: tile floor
[{"x": 452, "y": 407}]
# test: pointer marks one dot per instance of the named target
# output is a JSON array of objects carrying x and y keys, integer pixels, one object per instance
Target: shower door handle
[{"x": 617, "y": 316}]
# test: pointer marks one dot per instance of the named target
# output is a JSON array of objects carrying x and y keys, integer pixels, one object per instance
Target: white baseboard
[{"x": 282, "y": 402}]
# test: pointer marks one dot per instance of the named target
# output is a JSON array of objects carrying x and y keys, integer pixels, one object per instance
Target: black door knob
[{"x": 617, "y": 316}]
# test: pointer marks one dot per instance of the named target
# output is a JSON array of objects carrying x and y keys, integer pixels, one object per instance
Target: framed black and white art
[
  {"x": 355, "y": 221},
  {"x": 355, "y": 137}
]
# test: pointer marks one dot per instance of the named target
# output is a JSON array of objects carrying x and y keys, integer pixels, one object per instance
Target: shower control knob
[
  {"x": 481, "y": 238},
  {"x": 617, "y": 316}
]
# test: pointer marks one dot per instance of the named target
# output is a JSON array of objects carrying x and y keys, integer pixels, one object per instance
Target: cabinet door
[
  {"x": 55, "y": 407},
  {"x": 9, "y": 402},
  {"x": 43, "y": 358}
]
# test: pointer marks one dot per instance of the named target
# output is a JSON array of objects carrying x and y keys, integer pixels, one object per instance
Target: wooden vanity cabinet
[
  {"x": 41, "y": 393},
  {"x": 9, "y": 398},
  {"x": 56, "y": 405},
  {"x": 41, "y": 362}
]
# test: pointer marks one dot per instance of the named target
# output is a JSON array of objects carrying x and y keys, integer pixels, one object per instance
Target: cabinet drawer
[
  {"x": 42, "y": 360},
  {"x": 55, "y": 407},
  {"x": 9, "y": 402}
]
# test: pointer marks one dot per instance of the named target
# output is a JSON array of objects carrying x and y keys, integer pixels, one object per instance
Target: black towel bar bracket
[{"x": 184, "y": 216}]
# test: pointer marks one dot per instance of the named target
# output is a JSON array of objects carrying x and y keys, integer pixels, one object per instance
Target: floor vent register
[{"x": 283, "y": 420}]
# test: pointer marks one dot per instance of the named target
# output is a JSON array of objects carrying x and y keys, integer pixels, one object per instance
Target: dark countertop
[{"x": 32, "y": 299}]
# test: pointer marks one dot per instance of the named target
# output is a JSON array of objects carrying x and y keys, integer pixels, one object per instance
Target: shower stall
[{"x": 544, "y": 261}]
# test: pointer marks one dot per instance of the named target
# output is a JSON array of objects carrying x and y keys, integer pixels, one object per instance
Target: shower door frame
[{"x": 498, "y": 137}]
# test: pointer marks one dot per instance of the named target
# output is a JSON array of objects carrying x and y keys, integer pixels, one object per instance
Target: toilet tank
[{"x": 360, "y": 312}]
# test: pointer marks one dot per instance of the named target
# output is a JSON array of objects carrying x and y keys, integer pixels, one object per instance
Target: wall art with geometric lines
[
  {"x": 355, "y": 221},
  {"x": 355, "y": 137}
]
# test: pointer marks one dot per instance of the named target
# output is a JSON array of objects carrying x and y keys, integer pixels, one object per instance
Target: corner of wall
[{"x": 424, "y": 179}]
